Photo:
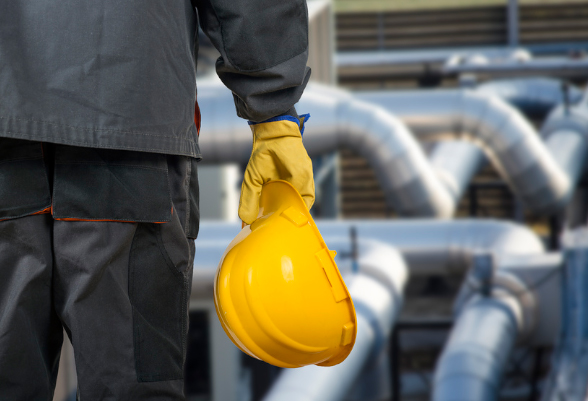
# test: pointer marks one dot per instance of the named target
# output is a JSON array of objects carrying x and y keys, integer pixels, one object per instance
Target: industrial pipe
[
  {"x": 535, "y": 96},
  {"x": 427, "y": 246},
  {"x": 385, "y": 58},
  {"x": 475, "y": 356},
  {"x": 497, "y": 306},
  {"x": 377, "y": 295},
  {"x": 555, "y": 67},
  {"x": 542, "y": 174}
]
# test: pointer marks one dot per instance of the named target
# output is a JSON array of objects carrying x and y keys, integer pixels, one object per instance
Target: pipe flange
[{"x": 507, "y": 285}]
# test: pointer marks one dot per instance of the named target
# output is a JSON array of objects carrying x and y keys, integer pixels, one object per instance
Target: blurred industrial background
[{"x": 449, "y": 140}]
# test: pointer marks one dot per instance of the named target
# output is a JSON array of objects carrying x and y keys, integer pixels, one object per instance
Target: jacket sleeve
[{"x": 264, "y": 50}]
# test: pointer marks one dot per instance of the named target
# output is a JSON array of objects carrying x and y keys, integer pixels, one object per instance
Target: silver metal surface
[
  {"x": 517, "y": 308},
  {"x": 513, "y": 22},
  {"x": 474, "y": 359},
  {"x": 427, "y": 246},
  {"x": 542, "y": 174},
  {"x": 534, "y": 96},
  {"x": 550, "y": 66},
  {"x": 397, "y": 57},
  {"x": 568, "y": 377}
]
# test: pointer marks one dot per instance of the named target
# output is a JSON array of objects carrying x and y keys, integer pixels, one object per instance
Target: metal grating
[
  {"x": 421, "y": 29},
  {"x": 362, "y": 197},
  {"x": 475, "y": 26}
]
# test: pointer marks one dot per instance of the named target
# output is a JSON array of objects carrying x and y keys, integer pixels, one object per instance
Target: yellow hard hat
[{"x": 278, "y": 293}]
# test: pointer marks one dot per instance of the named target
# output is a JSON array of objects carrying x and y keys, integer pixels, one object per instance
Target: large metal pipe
[
  {"x": 377, "y": 295},
  {"x": 456, "y": 162},
  {"x": 568, "y": 378},
  {"x": 535, "y": 96},
  {"x": 499, "y": 304},
  {"x": 552, "y": 66},
  {"x": 474, "y": 359},
  {"x": 386, "y": 58},
  {"x": 428, "y": 246},
  {"x": 543, "y": 175}
]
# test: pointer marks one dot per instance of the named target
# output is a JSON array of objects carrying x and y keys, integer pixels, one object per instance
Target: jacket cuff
[{"x": 300, "y": 121}]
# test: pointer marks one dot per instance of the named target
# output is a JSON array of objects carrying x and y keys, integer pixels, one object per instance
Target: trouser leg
[
  {"x": 30, "y": 332},
  {"x": 122, "y": 291}
]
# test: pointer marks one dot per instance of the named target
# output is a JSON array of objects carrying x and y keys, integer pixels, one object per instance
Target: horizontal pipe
[
  {"x": 555, "y": 67},
  {"x": 427, "y": 246},
  {"x": 535, "y": 96},
  {"x": 349, "y": 59},
  {"x": 541, "y": 176}
]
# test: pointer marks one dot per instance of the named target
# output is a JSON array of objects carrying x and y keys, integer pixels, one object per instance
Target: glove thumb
[{"x": 249, "y": 200}]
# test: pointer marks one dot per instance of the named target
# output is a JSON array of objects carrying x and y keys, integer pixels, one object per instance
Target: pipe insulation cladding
[
  {"x": 427, "y": 246},
  {"x": 474, "y": 358},
  {"x": 541, "y": 168},
  {"x": 517, "y": 307}
]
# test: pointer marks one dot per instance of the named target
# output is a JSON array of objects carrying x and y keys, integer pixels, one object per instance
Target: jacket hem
[{"x": 103, "y": 139}]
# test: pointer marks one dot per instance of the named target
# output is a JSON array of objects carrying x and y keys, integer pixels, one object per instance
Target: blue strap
[
  {"x": 286, "y": 117},
  {"x": 305, "y": 119}
]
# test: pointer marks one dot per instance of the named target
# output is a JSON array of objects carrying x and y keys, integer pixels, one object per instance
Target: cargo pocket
[
  {"x": 24, "y": 187},
  {"x": 158, "y": 291},
  {"x": 193, "y": 225},
  {"x": 183, "y": 178},
  {"x": 110, "y": 185}
]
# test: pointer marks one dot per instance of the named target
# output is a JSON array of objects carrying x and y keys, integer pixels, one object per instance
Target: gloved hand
[{"x": 277, "y": 154}]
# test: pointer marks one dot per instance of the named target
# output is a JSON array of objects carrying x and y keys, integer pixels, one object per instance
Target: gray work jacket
[{"x": 120, "y": 74}]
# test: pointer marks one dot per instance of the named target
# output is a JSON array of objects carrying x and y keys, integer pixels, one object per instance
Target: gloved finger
[
  {"x": 305, "y": 186},
  {"x": 302, "y": 179},
  {"x": 309, "y": 197},
  {"x": 250, "y": 192}
]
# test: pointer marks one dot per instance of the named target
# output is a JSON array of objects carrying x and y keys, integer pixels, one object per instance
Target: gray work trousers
[{"x": 120, "y": 289}]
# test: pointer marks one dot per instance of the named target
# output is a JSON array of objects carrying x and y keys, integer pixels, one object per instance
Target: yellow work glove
[{"x": 277, "y": 154}]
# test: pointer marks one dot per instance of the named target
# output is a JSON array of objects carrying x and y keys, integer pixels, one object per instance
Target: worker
[{"x": 98, "y": 177}]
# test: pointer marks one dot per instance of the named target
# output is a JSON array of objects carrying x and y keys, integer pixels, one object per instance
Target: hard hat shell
[{"x": 278, "y": 293}]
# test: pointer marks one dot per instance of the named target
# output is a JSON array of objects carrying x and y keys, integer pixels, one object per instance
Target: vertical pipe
[
  {"x": 381, "y": 33},
  {"x": 395, "y": 359},
  {"x": 474, "y": 360},
  {"x": 513, "y": 23}
]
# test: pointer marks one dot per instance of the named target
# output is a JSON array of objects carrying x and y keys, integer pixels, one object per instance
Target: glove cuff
[{"x": 280, "y": 126}]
